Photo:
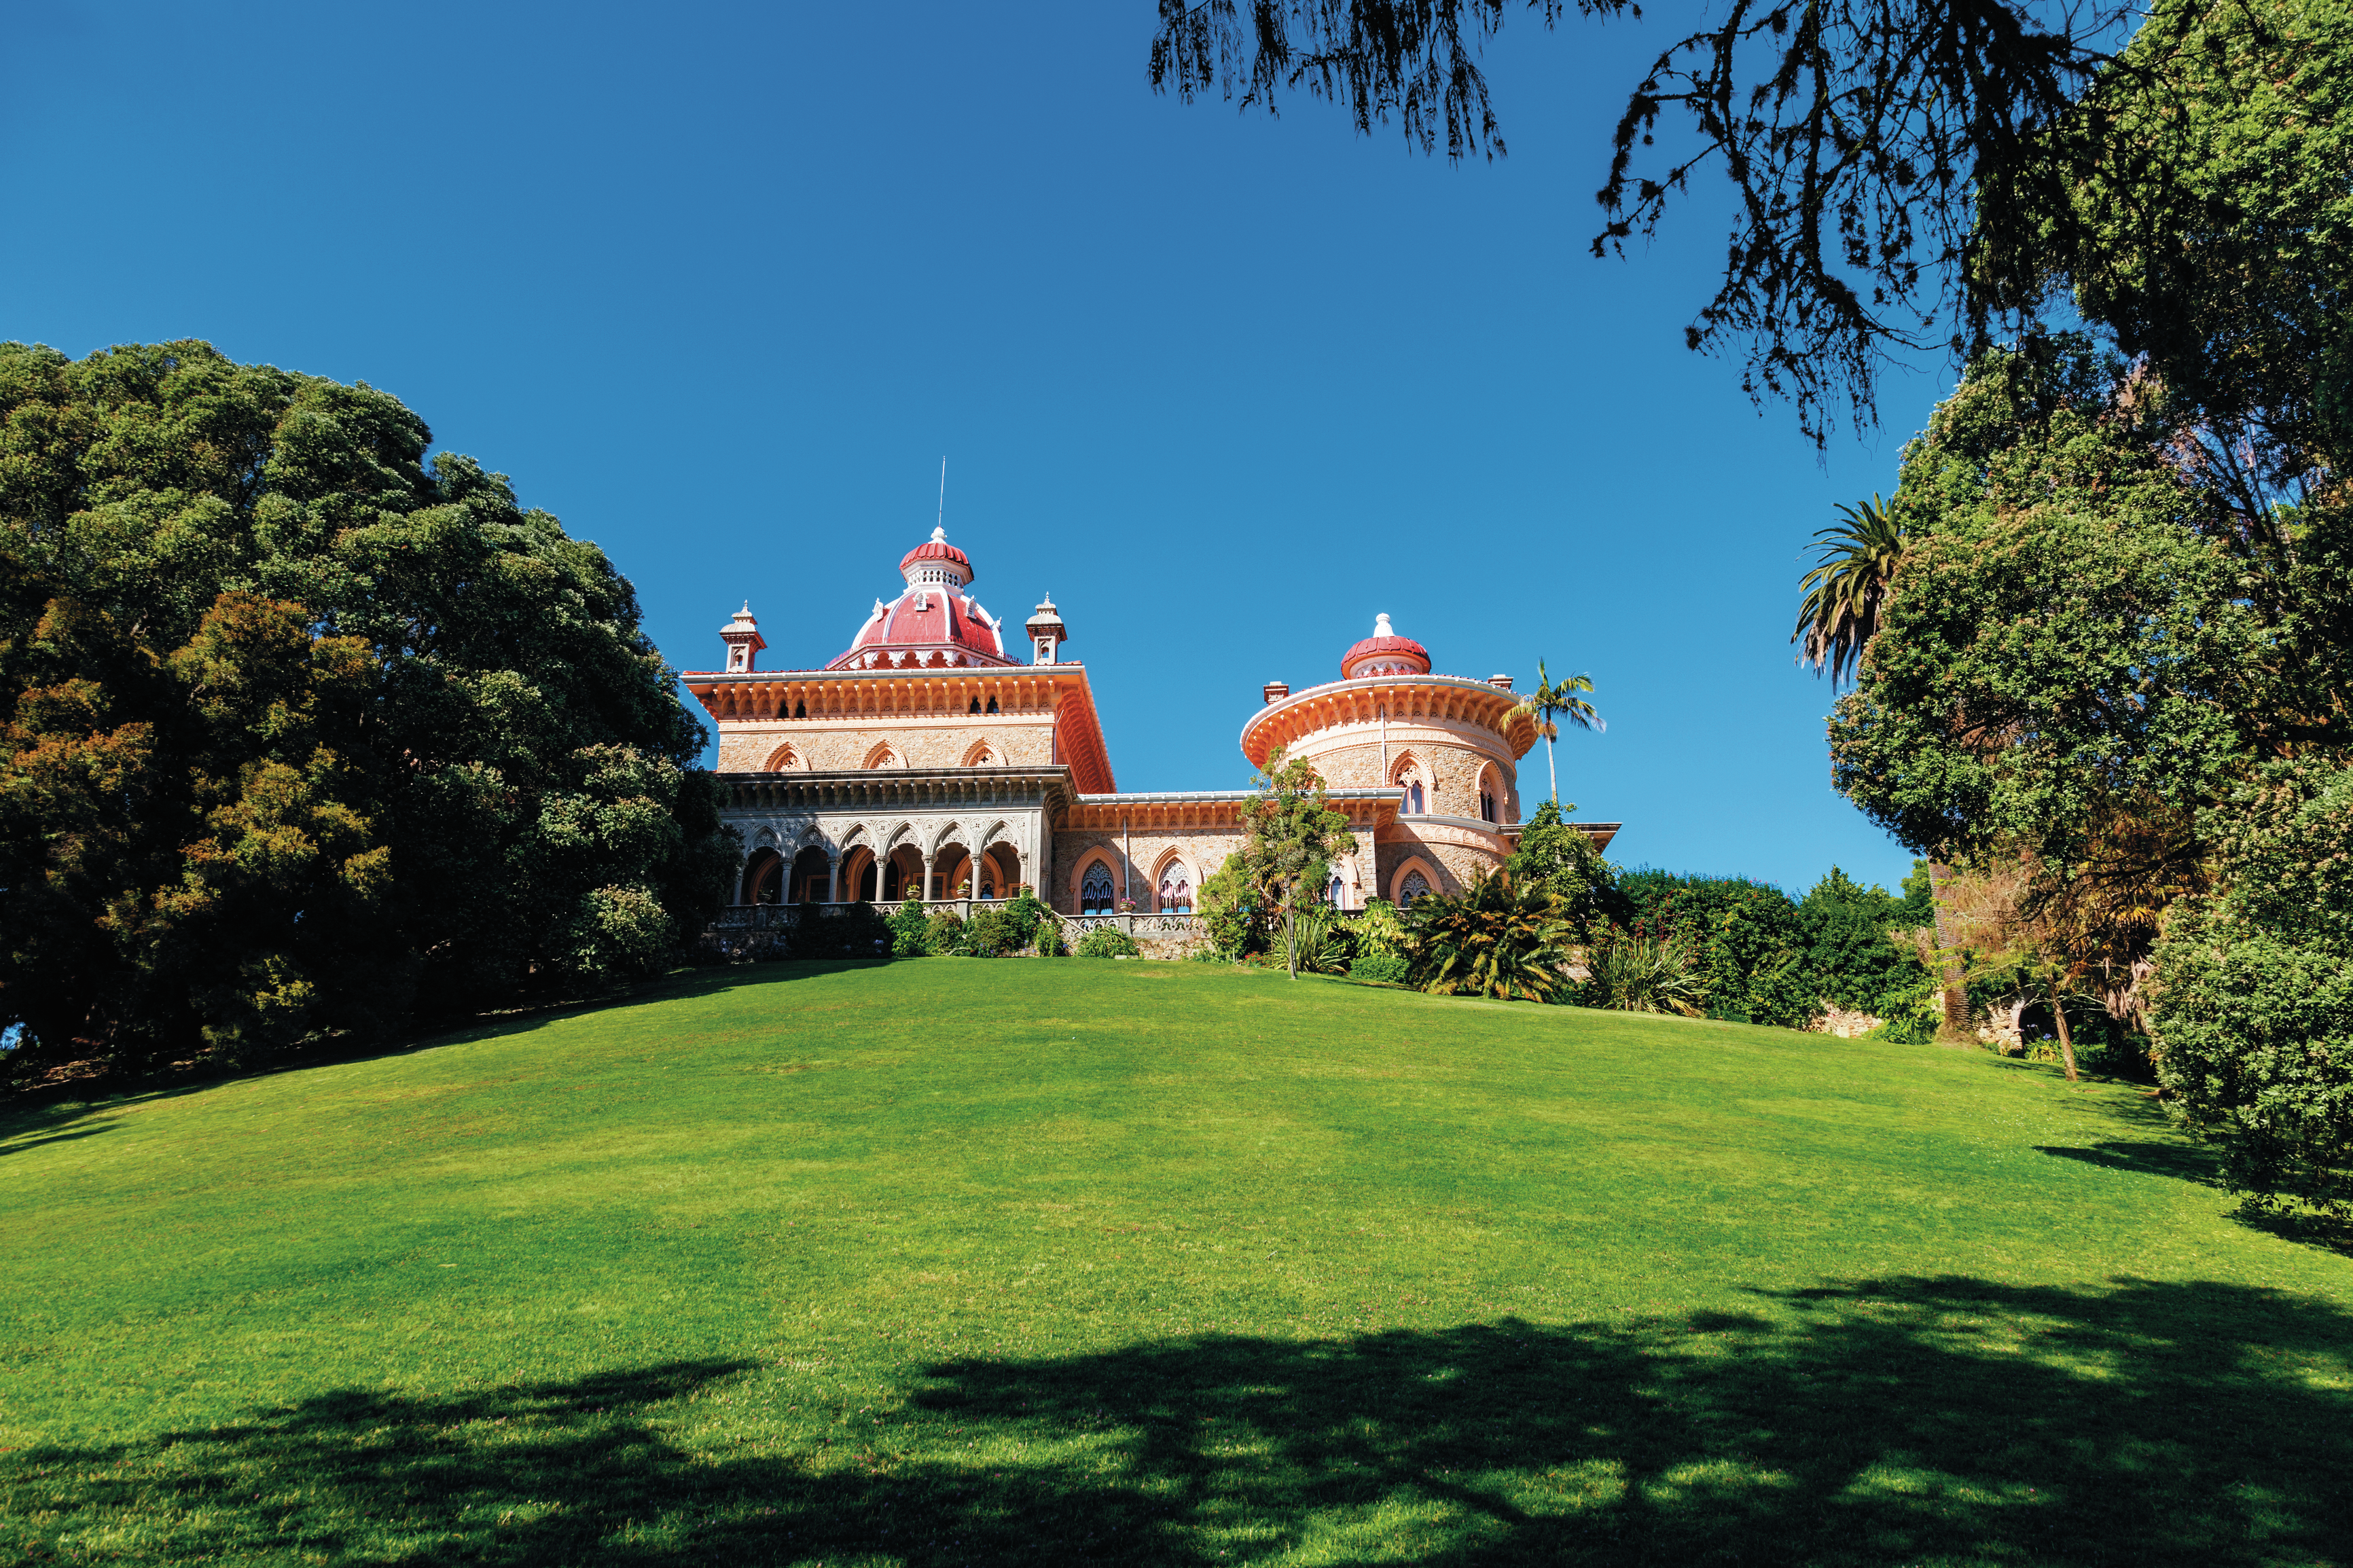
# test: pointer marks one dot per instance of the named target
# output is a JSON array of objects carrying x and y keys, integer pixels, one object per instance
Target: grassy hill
[{"x": 963, "y": 1262}]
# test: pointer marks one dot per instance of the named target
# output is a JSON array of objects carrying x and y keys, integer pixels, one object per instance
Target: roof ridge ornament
[{"x": 1381, "y": 627}]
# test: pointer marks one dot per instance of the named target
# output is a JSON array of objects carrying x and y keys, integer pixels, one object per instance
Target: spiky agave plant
[
  {"x": 1326, "y": 941},
  {"x": 1491, "y": 939},
  {"x": 1635, "y": 973}
]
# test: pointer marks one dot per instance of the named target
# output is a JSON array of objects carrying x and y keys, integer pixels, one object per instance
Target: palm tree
[
  {"x": 1854, "y": 568},
  {"x": 1548, "y": 704},
  {"x": 1854, "y": 564}
]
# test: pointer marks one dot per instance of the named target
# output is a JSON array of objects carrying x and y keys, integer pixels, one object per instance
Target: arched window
[
  {"x": 992, "y": 705},
  {"x": 1332, "y": 890},
  {"x": 1413, "y": 795},
  {"x": 800, "y": 710},
  {"x": 1095, "y": 890},
  {"x": 1176, "y": 890},
  {"x": 976, "y": 706},
  {"x": 1416, "y": 885}
]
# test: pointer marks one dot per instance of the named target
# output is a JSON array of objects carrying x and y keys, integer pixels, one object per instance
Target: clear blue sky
[{"x": 719, "y": 284}]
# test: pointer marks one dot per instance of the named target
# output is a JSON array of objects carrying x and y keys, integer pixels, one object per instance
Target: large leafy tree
[
  {"x": 2255, "y": 1004},
  {"x": 300, "y": 729},
  {"x": 1291, "y": 836}
]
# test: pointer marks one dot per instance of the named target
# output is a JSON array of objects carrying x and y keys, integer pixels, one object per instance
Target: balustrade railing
[{"x": 742, "y": 918}]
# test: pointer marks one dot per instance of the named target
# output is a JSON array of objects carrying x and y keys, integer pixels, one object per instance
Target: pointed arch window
[
  {"x": 1416, "y": 885},
  {"x": 1095, "y": 890}
]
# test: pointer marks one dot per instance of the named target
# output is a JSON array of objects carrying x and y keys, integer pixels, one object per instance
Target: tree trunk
[
  {"x": 1955, "y": 993},
  {"x": 1552, "y": 774},
  {"x": 1291, "y": 934},
  {"x": 2066, "y": 1042}
]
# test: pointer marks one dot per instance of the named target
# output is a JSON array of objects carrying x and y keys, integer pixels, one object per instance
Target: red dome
[
  {"x": 936, "y": 548},
  {"x": 1385, "y": 653},
  {"x": 933, "y": 623}
]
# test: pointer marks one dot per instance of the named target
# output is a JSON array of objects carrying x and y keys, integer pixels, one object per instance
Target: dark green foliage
[
  {"x": 1744, "y": 933},
  {"x": 993, "y": 932},
  {"x": 1290, "y": 835},
  {"x": 2254, "y": 997},
  {"x": 1635, "y": 971},
  {"x": 2072, "y": 634},
  {"x": 1326, "y": 940},
  {"x": 911, "y": 930},
  {"x": 947, "y": 933},
  {"x": 856, "y": 930},
  {"x": 1563, "y": 861},
  {"x": 1493, "y": 939},
  {"x": 1845, "y": 929},
  {"x": 1232, "y": 910},
  {"x": 1030, "y": 918},
  {"x": 300, "y": 730},
  {"x": 1108, "y": 941}
]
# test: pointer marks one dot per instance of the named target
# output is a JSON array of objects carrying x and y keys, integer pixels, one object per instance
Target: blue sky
[{"x": 719, "y": 286}]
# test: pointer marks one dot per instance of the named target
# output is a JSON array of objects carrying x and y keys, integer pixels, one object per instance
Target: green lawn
[{"x": 968, "y": 1261}]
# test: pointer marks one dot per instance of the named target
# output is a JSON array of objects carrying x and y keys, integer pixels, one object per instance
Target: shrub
[
  {"x": 992, "y": 933},
  {"x": 1029, "y": 916},
  {"x": 1206, "y": 953},
  {"x": 911, "y": 930},
  {"x": 1228, "y": 906},
  {"x": 1326, "y": 939},
  {"x": 1380, "y": 969},
  {"x": 1108, "y": 941},
  {"x": 1637, "y": 973},
  {"x": 1050, "y": 940},
  {"x": 1491, "y": 939},
  {"x": 2254, "y": 1000},
  {"x": 946, "y": 932},
  {"x": 857, "y": 932},
  {"x": 1380, "y": 930}
]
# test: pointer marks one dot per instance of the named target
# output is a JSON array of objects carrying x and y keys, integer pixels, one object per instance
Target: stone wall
[
  {"x": 1018, "y": 741},
  {"x": 1456, "y": 854},
  {"x": 1203, "y": 851},
  {"x": 1452, "y": 761}
]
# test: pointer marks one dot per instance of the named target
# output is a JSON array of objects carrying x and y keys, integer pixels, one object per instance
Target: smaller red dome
[
  {"x": 1385, "y": 653},
  {"x": 936, "y": 548}
]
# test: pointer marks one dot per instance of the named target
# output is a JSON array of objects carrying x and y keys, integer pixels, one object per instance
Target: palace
[{"x": 939, "y": 758}]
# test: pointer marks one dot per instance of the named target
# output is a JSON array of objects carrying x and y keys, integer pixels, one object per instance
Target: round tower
[{"x": 1448, "y": 744}]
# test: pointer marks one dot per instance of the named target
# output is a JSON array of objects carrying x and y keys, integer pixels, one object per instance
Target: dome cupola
[
  {"x": 933, "y": 624},
  {"x": 1385, "y": 653},
  {"x": 936, "y": 561}
]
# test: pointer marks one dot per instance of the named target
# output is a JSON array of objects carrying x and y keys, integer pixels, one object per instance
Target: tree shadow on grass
[
  {"x": 86, "y": 1107},
  {"x": 2179, "y": 1161},
  {"x": 1891, "y": 1422}
]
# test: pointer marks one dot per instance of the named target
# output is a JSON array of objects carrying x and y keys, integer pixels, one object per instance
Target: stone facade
[
  {"x": 926, "y": 762},
  {"x": 1023, "y": 740}
]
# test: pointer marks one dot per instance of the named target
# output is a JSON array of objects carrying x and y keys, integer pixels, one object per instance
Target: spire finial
[
  {"x": 939, "y": 536},
  {"x": 1381, "y": 625}
]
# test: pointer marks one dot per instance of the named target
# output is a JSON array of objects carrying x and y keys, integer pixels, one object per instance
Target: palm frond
[{"x": 1854, "y": 566}]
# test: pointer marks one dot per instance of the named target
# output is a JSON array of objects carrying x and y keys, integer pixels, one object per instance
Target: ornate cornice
[
  {"x": 1400, "y": 698},
  {"x": 770, "y": 696},
  {"x": 896, "y": 789}
]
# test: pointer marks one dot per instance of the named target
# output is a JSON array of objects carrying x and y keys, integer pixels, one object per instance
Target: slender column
[{"x": 833, "y": 879}]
